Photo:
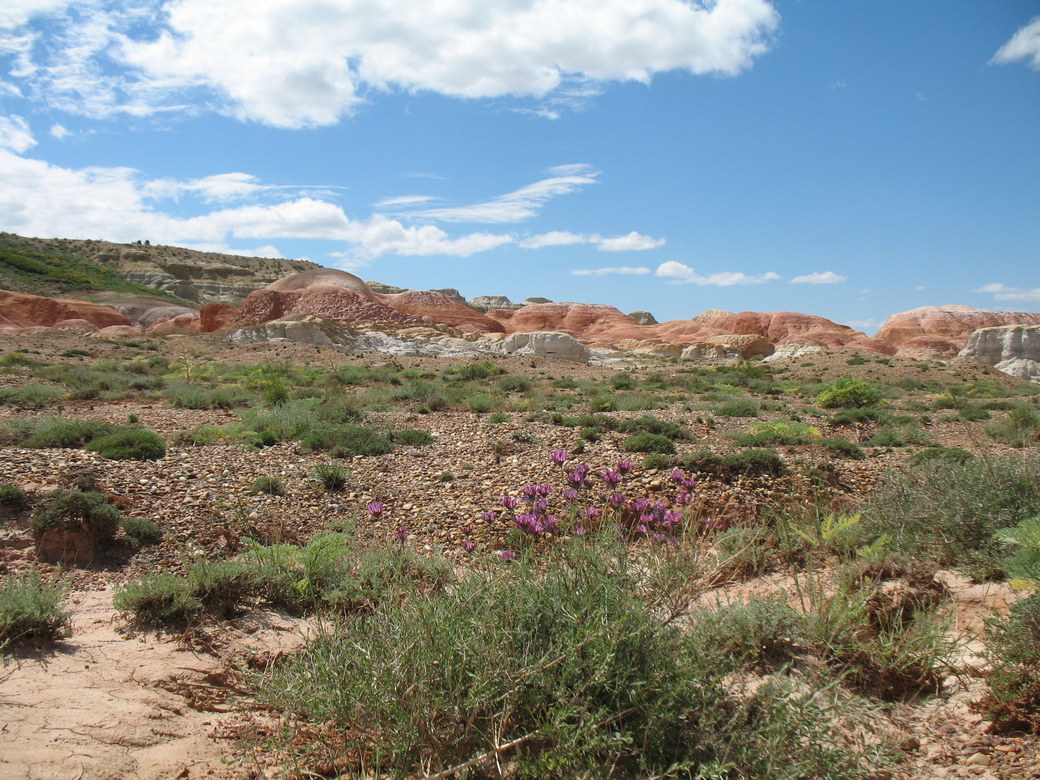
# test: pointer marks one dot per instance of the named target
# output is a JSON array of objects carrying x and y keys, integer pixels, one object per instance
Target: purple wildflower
[
  {"x": 510, "y": 502},
  {"x": 578, "y": 530},
  {"x": 616, "y": 499},
  {"x": 570, "y": 494},
  {"x": 682, "y": 499},
  {"x": 611, "y": 476},
  {"x": 376, "y": 509},
  {"x": 469, "y": 545},
  {"x": 689, "y": 483},
  {"x": 677, "y": 476},
  {"x": 401, "y": 535},
  {"x": 489, "y": 517},
  {"x": 507, "y": 555},
  {"x": 592, "y": 511},
  {"x": 624, "y": 466},
  {"x": 559, "y": 457}
]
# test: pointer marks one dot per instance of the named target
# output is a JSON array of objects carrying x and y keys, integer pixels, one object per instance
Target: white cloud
[
  {"x": 554, "y": 238},
  {"x": 39, "y": 199},
  {"x": 403, "y": 200},
  {"x": 1002, "y": 292},
  {"x": 1024, "y": 45},
  {"x": 623, "y": 271},
  {"x": 633, "y": 242},
  {"x": 15, "y": 134},
  {"x": 59, "y": 131},
  {"x": 827, "y": 277},
  {"x": 522, "y": 204},
  {"x": 296, "y": 63},
  {"x": 683, "y": 274}
]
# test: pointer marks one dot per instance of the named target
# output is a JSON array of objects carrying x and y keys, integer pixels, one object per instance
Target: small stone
[{"x": 978, "y": 759}]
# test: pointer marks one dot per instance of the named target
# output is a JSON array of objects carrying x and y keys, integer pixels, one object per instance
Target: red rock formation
[
  {"x": 438, "y": 307},
  {"x": 780, "y": 327},
  {"x": 941, "y": 331},
  {"x": 21, "y": 311},
  {"x": 593, "y": 321}
]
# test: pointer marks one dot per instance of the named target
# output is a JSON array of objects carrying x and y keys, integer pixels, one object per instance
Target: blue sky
[{"x": 850, "y": 160}]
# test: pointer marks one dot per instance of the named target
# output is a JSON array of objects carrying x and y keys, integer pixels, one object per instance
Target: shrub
[
  {"x": 31, "y": 609},
  {"x": 30, "y": 396},
  {"x": 898, "y": 436},
  {"x": 55, "y": 432},
  {"x": 129, "y": 444},
  {"x": 411, "y": 437},
  {"x": 649, "y": 442},
  {"x": 141, "y": 531},
  {"x": 1019, "y": 429},
  {"x": 344, "y": 441},
  {"x": 481, "y": 403},
  {"x": 743, "y": 407},
  {"x": 649, "y": 424},
  {"x": 76, "y": 509},
  {"x": 951, "y": 454},
  {"x": 948, "y": 511},
  {"x": 332, "y": 476},
  {"x": 271, "y": 486},
  {"x": 859, "y": 416},
  {"x": 848, "y": 393},
  {"x": 222, "y": 585},
  {"x": 158, "y": 599},
  {"x": 755, "y": 463},
  {"x": 13, "y": 497},
  {"x": 759, "y": 634},
  {"x": 498, "y": 418},
  {"x": 1013, "y": 652},
  {"x": 842, "y": 448},
  {"x": 483, "y": 369},
  {"x": 791, "y": 434},
  {"x": 514, "y": 384},
  {"x": 557, "y": 670}
]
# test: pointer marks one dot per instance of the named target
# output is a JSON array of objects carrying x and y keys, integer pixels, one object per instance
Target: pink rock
[
  {"x": 24, "y": 311},
  {"x": 954, "y": 323}
]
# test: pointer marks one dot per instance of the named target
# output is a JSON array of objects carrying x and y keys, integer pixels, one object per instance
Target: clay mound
[
  {"x": 438, "y": 307},
  {"x": 322, "y": 277},
  {"x": 868, "y": 344},
  {"x": 932, "y": 347},
  {"x": 593, "y": 321},
  {"x": 953, "y": 323},
  {"x": 780, "y": 327},
  {"x": 24, "y": 311},
  {"x": 328, "y": 302}
]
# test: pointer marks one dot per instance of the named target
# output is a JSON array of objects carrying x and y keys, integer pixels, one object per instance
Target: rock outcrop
[
  {"x": 546, "y": 344},
  {"x": 485, "y": 303},
  {"x": 18, "y": 310},
  {"x": 592, "y": 321},
  {"x": 942, "y": 331},
  {"x": 1013, "y": 349},
  {"x": 730, "y": 347},
  {"x": 643, "y": 317}
]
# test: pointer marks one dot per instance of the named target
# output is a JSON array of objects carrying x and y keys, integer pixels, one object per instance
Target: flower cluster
[{"x": 589, "y": 501}]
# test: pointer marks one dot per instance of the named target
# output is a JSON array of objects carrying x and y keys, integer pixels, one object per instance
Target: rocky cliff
[{"x": 1013, "y": 349}]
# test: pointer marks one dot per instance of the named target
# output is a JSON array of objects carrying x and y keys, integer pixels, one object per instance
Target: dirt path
[{"x": 105, "y": 705}]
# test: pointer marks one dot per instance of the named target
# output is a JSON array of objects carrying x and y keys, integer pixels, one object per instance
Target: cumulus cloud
[
  {"x": 15, "y": 134},
  {"x": 296, "y": 63},
  {"x": 521, "y": 204},
  {"x": 1024, "y": 45},
  {"x": 683, "y": 274},
  {"x": 827, "y": 277},
  {"x": 622, "y": 271},
  {"x": 1002, "y": 292},
  {"x": 633, "y": 242},
  {"x": 118, "y": 204}
]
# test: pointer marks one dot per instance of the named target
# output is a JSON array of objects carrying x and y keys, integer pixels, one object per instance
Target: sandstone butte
[
  {"x": 942, "y": 331},
  {"x": 18, "y": 310}
]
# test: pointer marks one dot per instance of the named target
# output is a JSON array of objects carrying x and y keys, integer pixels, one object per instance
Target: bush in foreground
[
  {"x": 31, "y": 609},
  {"x": 551, "y": 671}
]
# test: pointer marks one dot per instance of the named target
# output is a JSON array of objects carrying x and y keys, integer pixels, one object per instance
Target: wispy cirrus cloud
[
  {"x": 621, "y": 271},
  {"x": 1024, "y": 45},
  {"x": 519, "y": 205},
  {"x": 826, "y": 277},
  {"x": 632, "y": 242},
  {"x": 1002, "y": 292},
  {"x": 680, "y": 273}
]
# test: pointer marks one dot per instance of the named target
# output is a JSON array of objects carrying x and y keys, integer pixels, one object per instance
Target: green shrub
[
  {"x": 1013, "y": 652},
  {"x": 332, "y": 476},
  {"x": 30, "y": 396},
  {"x": 13, "y": 497},
  {"x": 948, "y": 511},
  {"x": 483, "y": 369},
  {"x": 345, "y": 441},
  {"x": 755, "y": 463},
  {"x": 76, "y": 509},
  {"x": 758, "y": 634},
  {"x": 1019, "y": 429},
  {"x": 658, "y": 460},
  {"x": 859, "y": 416},
  {"x": 141, "y": 530},
  {"x": 743, "y": 407},
  {"x": 129, "y": 444},
  {"x": 557, "y": 671},
  {"x": 898, "y": 436},
  {"x": 848, "y": 393},
  {"x": 650, "y": 424},
  {"x": 222, "y": 586},
  {"x": 158, "y": 599},
  {"x": 514, "y": 384},
  {"x": 481, "y": 403},
  {"x": 952, "y": 454},
  {"x": 791, "y": 434},
  {"x": 649, "y": 442},
  {"x": 55, "y": 432},
  {"x": 842, "y": 448},
  {"x": 498, "y": 418},
  {"x": 31, "y": 609},
  {"x": 411, "y": 437},
  {"x": 271, "y": 486}
]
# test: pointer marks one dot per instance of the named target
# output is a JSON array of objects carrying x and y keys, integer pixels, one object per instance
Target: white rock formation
[
  {"x": 793, "y": 351},
  {"x": 729, "y": 347},
  {"x": 546, "y": 344},
  {"x": 1013, "y": 349}
]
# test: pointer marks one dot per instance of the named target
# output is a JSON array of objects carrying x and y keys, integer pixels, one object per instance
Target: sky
[{"x": 844, "y": 159}]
